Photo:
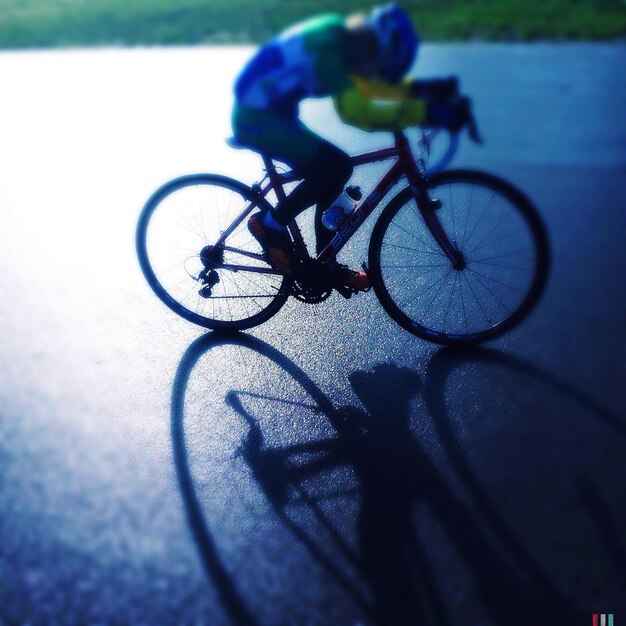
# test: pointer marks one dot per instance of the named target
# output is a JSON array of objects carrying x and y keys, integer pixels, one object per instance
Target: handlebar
[
  {"x": 453, "y": 146},
  {"x": 441, "y": 89}
]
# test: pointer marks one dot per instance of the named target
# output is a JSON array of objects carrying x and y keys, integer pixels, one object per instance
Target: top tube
[{"x": 383, "y": 154}]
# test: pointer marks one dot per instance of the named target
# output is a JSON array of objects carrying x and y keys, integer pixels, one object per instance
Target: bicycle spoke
[
  {"x": 499, "y": 256},
  {"x": 414, "y": 236},
  {"x": 480, "y": 219},
  {"x": 445, "y": 321},
  {"x": 494, "y": 241},
  {"x": 500, "y": 221},
  {"x": 167, "y": 269},
  {"x": 495, "y": 280},
  {"x": 504, "y": 306},
  {"x": 413, "y": 249},
  {"x": 452, "y": 214},
  {"x": 420, "y": 265},
  {"x": 436, "y": 295},
  {"x": 507, "y": 267},
  {"x": 467, "y": 216},
  {"x": 478, "y": 302}
]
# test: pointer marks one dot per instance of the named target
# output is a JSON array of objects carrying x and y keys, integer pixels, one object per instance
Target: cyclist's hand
[
  {"x": 452, "y": 114},
  {"x": 440, "y": 89}
]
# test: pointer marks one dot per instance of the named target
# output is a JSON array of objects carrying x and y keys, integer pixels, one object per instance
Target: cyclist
[{"x": 359, "y": 61}]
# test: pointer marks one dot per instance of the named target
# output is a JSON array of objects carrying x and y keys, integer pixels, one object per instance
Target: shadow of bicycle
[{"x": 305, "y": 512}]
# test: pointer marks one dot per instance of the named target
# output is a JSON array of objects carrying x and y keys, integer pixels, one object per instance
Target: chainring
[{"x": 311, "y": 281}]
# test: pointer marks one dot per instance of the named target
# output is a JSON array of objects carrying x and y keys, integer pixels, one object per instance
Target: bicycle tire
[
  {"x": 213, "y": 202},
  {"x": 448, "y": 186}
]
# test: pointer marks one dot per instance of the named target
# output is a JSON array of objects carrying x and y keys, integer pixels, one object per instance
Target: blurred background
[
  {"x": 35, "y": 23},
  {"x": 326, "y": 467}
]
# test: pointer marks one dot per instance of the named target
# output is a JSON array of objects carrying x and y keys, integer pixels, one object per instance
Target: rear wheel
[
  {"x": 229, "y": 286},
  {"x": 505, "y": 259}
]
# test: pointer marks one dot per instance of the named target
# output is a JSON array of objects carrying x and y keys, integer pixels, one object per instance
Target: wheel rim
[
  {"x": 178, "y": 227},
  {"x": 499, "y": 278}
]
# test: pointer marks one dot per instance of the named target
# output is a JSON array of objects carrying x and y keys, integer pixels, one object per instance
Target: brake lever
[{"x": 426, "y": 143}]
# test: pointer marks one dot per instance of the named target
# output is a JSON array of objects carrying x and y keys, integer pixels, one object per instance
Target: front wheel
[
  {"x": 504, "y": 259},
  {"x": 197, "y": 255}
]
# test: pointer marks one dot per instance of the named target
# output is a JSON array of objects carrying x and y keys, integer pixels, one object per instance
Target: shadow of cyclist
[{"x": 394, "y": 474}]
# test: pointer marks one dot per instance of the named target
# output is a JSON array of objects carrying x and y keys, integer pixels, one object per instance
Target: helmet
[{"x": 397, "y": 41}]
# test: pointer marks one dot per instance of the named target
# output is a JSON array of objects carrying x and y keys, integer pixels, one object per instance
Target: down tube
[{"x": 357, "y": 217}]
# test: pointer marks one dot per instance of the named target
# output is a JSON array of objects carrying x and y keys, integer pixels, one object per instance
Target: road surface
[{"x": 327, "y": 467}]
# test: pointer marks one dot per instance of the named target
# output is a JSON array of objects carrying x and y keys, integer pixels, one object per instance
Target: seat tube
[{"x": 277, "y": 185}]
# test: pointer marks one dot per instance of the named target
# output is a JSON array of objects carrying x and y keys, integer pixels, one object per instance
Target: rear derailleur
[{"x": 211, "y": 257}]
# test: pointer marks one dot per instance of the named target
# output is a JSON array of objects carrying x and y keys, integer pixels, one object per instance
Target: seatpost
[{"x": 274, "y": 176}]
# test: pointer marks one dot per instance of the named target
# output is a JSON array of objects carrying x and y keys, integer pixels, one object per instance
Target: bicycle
[{"x": 456, "y": 257}]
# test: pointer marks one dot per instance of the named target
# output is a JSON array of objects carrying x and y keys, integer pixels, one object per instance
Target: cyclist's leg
[
  {"x": 330, "y": 171},
  {"x": 282, "y": 137},
  {"x": 326, "y": 168}
]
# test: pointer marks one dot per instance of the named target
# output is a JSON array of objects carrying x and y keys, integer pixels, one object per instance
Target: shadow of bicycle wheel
[
  {"x": 308, "y": 512},
  {"x": 271, "y": 470}
]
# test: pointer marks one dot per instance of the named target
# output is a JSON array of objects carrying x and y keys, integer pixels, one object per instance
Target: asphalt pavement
[{"x": 326, "y": 468}]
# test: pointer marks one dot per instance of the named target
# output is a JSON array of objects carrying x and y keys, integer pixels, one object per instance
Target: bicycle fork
[{"x": 428, "y": 206}]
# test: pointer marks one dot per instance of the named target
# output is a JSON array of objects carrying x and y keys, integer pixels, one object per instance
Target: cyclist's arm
[
  {"x": 358, "y": 108},
  {"x": 380, "y": 90}
]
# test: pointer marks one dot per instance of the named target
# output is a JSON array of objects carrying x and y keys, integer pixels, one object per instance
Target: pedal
[
  {"x": 344, "y": 291},
  {"x": 367, "y": 271}
]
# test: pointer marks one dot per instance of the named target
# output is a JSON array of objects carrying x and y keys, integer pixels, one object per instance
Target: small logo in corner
[{"x": 602, "y": 619}]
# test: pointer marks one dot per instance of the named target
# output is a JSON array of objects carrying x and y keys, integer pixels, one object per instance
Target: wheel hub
[
  {"x": 459, "y": 263},
  {"x": 210, "y": 256}
]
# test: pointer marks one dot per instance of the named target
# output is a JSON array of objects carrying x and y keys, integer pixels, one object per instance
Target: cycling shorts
[{"x": 282, "y": 138}]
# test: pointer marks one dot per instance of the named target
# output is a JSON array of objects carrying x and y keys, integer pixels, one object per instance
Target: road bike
[{"x": 456, "y": 257}]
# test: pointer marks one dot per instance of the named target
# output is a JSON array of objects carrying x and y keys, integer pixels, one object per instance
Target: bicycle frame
[{"x": 404, "y": 166}]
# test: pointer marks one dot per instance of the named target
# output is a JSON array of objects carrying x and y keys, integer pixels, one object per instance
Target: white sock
[{"x": 269, "y": 221}]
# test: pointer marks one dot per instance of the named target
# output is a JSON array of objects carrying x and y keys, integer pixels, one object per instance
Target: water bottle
[{"x": 342, "y": 206}]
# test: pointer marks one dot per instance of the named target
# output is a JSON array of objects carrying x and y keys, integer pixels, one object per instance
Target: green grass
[{"x": 53, "y": 23}]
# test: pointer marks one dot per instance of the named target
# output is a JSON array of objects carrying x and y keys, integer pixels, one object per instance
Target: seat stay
[{"x": 240, "y": 218}]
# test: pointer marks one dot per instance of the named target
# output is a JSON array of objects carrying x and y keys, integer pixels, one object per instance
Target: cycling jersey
[{"x": 309, "y": 60}]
